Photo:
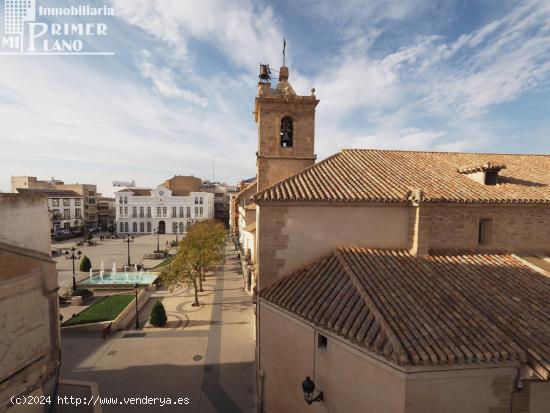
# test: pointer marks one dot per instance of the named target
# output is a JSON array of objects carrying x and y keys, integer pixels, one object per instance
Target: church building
[{"x": 395, "y": 281}]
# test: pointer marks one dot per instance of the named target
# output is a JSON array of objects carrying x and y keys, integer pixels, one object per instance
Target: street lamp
[
  {"x": 308, "y": 386},
  {"x": 128, "y": 240},
  {"x": 136, "y": 286},
  {"x": 73, "y": 255},
  {"x": 157, "y": 231}
]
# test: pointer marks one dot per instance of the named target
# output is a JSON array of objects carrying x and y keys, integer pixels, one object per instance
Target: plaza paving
[
  {"x": 109, "y": 250},
  {"x": 205, "y": 353}
]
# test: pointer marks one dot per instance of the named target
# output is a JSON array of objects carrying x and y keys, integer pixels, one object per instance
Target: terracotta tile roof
[
  {"x": 51, "y": 193},
  {"x": 364, "y": 175},
  {"x": 137, "y": 191},
  {"x": 445, "y": 308}
]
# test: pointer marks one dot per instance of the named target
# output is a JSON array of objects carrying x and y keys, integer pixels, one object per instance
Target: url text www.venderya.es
[{"x": 100, "y": 401}]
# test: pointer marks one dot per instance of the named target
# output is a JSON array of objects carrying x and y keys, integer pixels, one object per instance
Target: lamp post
[
  {"x": 308, "y": 387},
  {"x": 128, "y": 240},
  {"x": 136, "y": 286},
  {"x": 156, "y": 231},
  {"x": 73, "y": 255}
]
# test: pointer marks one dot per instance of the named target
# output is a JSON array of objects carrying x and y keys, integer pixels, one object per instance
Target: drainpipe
[{"x": 260, "y": 393}]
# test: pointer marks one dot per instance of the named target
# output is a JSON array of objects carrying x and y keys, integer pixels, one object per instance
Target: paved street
[
  {"x": 110, "y": 250},
  {"x": 204, "y": 353}
]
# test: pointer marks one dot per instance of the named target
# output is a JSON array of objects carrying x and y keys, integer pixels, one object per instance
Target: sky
[{"x": 179, "y": 91}]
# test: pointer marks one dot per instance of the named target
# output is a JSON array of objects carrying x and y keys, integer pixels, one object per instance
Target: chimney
[{"x": 486, "y": 174}]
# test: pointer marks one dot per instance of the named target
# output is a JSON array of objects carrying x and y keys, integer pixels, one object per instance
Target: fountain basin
[{"x": 142, "y": 278}]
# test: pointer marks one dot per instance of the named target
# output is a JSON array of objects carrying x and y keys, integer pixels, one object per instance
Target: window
[
  {"x": 66, "y": 202},
  {"x": 181, "y": 212},
  {"x": 159, "y": 211},
  {"x": 55, "y": 202},
  {"x": 201, "y": 200},
  {"x": 188, "y": 215},
  {"x": 122, "y": 227},
  {"x": 125, "y": 210},
  {"x": 148, "y": 227},
  {"x": 164, "y": 211},
  {"x": 121, "y": 211},
  {"x": 174, "y": 227},
  {"x": 134, "y": 212},
  {"x": 181, "y": 227},
  {"x": 121, "y": 200},
  {"x": 91, "y": 193},
  {"x": 78, "y": 213},
  {"x": 92, "y": 217},
  {"x": 141, "y": 227},
  {"x": 196, "y": 200},
  {"x": 134, "y": 227},
  {"x": 286, "y": 132},
  {"x": 196, "y": 211},
  {"x": 322, "y": 342},
  {"x": 491, "y": 177},
  {"x": 174, "y": 212},
  {"x": 141, "y": 213},
  {"x": 485, "y": 229},
  {"x": 125, "y": 199},
  {"x": 78, "y": 202},
  {"x": 91, "y": 201},
  {"x": 125, "y": 227},
  {"x": 66, "y": 214},
  {"x": 148, "y": 212},
  {"x": 201, "y": 211}
]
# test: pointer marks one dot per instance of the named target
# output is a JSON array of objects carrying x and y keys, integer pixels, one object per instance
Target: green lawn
[
  {"x": 106, "y": 309},
  {"x": 165, "y": 262}
]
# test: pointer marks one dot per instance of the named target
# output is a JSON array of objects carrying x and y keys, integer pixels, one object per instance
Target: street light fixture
[
  {"x": 157, "y": 231},
  {"x": 136, "y": 286},
  {"x": 128, "y": 239},
  {"x": 73, "y": 255},
  {"x": 308, "y": 386}
]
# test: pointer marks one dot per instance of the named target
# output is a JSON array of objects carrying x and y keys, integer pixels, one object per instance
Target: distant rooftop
[{"x": 52, "y": 193}]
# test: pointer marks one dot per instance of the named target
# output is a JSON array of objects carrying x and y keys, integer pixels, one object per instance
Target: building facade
[
  {"x": 88, "y": 192},
  {"x": 65, "y": 209},
  {"x": 162, "y": 209},
  {"x": 106, "y": 213},
  {"x": 30, "y": 351}
]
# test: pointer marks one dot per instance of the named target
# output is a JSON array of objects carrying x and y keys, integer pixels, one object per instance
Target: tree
[
  {"x": 85, "y": 264},
  {"x": 158, "y": 315},
  {"x": 206, "y": 239},
  {"x": 200, "y": 250},
  {"x": 182, "y": 270}
]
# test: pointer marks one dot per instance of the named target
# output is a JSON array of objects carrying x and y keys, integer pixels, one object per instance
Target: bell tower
[{"x": 286, "y": 129}]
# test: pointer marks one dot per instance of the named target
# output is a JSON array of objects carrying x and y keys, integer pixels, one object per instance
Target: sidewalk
[{"x": 205, "y": 353}]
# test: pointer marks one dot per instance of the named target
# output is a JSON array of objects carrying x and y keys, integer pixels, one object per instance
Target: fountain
[
  {"x": 113, "y": 270},
  {"x": 102, "y": 271},
  {"x": 135, "y": 268},
  {"x": 90, "y": 275}
]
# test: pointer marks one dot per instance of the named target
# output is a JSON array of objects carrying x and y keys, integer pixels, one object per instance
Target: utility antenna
[
  {"x": 213, "y": 174},
  {"x": 284, "y": 47}
]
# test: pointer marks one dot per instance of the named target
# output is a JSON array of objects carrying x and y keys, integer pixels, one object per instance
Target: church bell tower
[{"x": 286, "y": 129}]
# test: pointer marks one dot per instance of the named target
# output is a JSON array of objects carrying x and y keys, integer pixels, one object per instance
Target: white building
[
  {"x": 65, "y": 208},
  {"x": 167, "y": 210}
]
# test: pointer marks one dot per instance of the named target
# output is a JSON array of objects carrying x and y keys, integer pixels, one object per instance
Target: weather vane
[{"x": 284, "y": 47}]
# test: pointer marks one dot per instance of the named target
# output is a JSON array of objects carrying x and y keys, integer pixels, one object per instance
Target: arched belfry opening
[{"x": 286, "y": 132}]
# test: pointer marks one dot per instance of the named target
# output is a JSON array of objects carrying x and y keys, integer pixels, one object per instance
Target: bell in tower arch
[{"x": 286, "y": 132}]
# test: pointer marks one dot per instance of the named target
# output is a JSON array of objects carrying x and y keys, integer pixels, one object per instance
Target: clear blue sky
[{"x": 407, "y": 74}]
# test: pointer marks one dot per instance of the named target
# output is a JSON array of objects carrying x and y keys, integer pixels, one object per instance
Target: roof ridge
[
  {"x": 402, "y": 356},
  {"x": 295, "y": 175},
  {"x": 444, "y": 152}
]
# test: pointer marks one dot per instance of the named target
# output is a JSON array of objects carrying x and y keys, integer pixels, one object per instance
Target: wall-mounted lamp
[{"x": 308, "y": 386}]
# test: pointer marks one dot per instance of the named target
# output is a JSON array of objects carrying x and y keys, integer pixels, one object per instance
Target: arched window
[{"x": 286, "y": 132}]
